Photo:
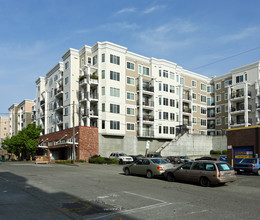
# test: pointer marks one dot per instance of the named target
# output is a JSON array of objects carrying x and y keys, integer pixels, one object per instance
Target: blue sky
[{"x": 192, "y": 33}]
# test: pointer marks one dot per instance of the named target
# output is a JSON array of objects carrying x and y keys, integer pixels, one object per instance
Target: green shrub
[
  {"x": 82, "y": 161},
  {"x": 93, "y": 76},
  {"x": 103, "y": 160},
  {"x": 215, "y": 152},
  {"x": 224, "y": 152}
]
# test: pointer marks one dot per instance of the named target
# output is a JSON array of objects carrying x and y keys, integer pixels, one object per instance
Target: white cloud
[
  {"x": 125, "y": 10},
  {"x": 243, "y": 34},
  {"x": 154, "y": 8}
]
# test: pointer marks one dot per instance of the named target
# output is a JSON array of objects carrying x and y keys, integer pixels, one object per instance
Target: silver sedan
[{"x": 148, "y": 167}]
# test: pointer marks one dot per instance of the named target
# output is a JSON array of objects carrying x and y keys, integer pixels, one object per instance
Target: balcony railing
[
  {"x": 146, "y": 133},
  {"x": 149, "y": 103},
  {"x": 146, "y": 117},
  {"x": 187, "y": 110},
  {"x": 146, "y": 88},
  {"x": 58, "y": 91}
]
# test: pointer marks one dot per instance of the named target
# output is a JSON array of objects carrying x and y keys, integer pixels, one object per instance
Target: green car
[{"x": 148, "y": 167}]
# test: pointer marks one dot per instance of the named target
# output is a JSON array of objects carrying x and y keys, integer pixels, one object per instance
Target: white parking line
[{"x": 157, "y": 205}]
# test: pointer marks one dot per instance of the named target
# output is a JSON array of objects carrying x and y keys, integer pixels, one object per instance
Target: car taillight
[
  {"x": 159, "y": 168},
  {"x": 218, "y": 174},
  {"x": 251, "y": 166}
]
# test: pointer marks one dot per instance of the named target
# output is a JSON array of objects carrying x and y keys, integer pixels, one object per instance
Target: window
[
  {"x": 165, "y": 101},
  {"x": 103, "y": 124},
  {"x": 203, "y": 87},
  {"x": 67, "y": 64},
  {"x": 203, "y": 122},
  {"x": 130, "y": 96},
  {"x": 160, "y": 100},
  {"x": 218, "y": 86},
  {"x": 165, "y": 115},
  {"x": 66, "y": 125},
  {"x": 194, "y": 83},
  {"x": 171, "y": 130},
  {"x": 66, "y": 96},
  {"x": 103, "y": 90},
  {"x": 203, "y": 111},
  {"x": 89, "y": 60},
  {"x": 182, "y": 81},
  {"x": 245, "y": 77},
  {"x": 172, "y": 102},
  {"x": 210, "y": 89},
  {"x": 130, "y": 80},
  {"x": 226, "y": 120},
  {"x": 239, "y": 79},
  {"x": 144, "y": 69},
  {"x": 160, "y": 115},
  {"x": 66, "y": 111},
  {"x": 226, "y": 107},
  {"x": 130, "y": 66},
  {"x": 66, "y": 80},
  {"x": 203, "y": 98},
  {"x": 160, "y": 86},
  {"x": 160, "y": 129},
  {"x": 165, "y": 73},
  {"x": 194, "y": 108},
  {"x": 115, "y": 125},
  {"x": 103, "y": 58},
  {"x": 177, "y": 90},
  {"x": 194, "y": 120},
  {"x": 114, "y": 59},
  {"x": 94, "y": 60},
  {"x": 165, "y": 129},
  {"x": 103, "y": 74},
  {"x": 130, "y": 126},
  {"x": 172, "y": 89},
  {"x": 226, "y": 96},
  {"x": 228, "y": 82},
  {"x": 218, "y": 121},
  {"x": 194, "y": 96},
  {"x": 165, "y": 87},
  {"x": 115, "y": 76},
  {"x": 171, "y": 75},
  {"x": 103, "y": 107},
  {"x": 130, "y": 111},
  {"x": 218, "y": 98},
  {"x": 177, "y": 78},
  {"x": 172, "y": 116},
  {"x": 114, "y": 92},
  {"x": 114, "y": 108},
  {"x": 218, "y": 109}
]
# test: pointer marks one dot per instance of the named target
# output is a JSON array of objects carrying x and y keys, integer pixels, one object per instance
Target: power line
[{"x": 226, "y": 58}]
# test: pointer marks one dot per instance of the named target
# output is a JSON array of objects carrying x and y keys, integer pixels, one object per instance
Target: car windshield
[
  {"x": 159, "y": 161},
  {"x": 224, "y": 166},
  {"x": 246, "y": 160},
  {"x": 122, "y": 154}
]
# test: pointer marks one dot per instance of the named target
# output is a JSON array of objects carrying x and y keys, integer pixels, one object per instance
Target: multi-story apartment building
[
  {"x": 132, "y": 98},
  {"x": 20, "y": 116},
  {"x": 4, "y": 128}
]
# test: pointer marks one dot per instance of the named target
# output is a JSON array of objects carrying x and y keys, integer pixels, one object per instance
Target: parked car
[
  {"x": 203, "y": 172},
  {"x": 248, "y": 165},
  {"x": 148, "y": 167},
  {"x": 185, "y": 159},
  {"x": 136, "y": 157},
  {"x": 174, "y": 159},
  {"x": 152, "y": 155},
  {"x": 206, "y": 158},
  {"x": 122, "y": 158}
]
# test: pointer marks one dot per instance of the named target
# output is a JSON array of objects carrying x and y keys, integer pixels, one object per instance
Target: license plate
[{"x": 241, "y": 170}]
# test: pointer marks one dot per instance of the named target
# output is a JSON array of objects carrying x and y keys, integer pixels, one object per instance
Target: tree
[{"x": 25, "y": 142}]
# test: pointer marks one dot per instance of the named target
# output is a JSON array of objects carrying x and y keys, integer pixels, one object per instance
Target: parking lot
[{"x": 88, "y": 191}]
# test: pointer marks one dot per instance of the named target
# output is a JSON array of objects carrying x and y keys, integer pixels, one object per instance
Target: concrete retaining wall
[{"x": 189, "y": 144}]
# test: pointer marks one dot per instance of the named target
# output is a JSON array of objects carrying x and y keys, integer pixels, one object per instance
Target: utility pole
[{"x": 73, "y": 131}]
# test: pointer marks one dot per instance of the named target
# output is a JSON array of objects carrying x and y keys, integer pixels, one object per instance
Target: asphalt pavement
[{"x": 89, "y": 191}]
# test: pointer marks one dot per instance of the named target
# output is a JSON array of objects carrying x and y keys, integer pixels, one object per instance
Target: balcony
[
  {"x": 42, "y": 102},
  {"x": 82, "y": 81},
  {"x": 239, "y": 94},
  {"x": 186, "y": 97},
  {"x": 148, "y": 104},
  {"x": 94, "y": 96},
  {"x": 42, "y": 115},
  {"x": 186, "y": 110},
  {"x": 240, "y": 109},
  {"x": 147, "y": 89},
  {"x": 58, "y": 92},
  {"x": 146, "y": 133},
  {"x": 58, "y": 106},
  {"x": 187, "y": 123},
  {"x": 211, "y": 126},
  {"x": 83, "y": 97},
  {"x": 240, "y": 122},
  {"x": 59, "y": 121}
]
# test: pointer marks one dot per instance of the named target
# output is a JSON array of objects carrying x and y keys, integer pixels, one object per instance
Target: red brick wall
[
  {"x": 87, "y": 138},
  {"x": 243, "y": 137}
]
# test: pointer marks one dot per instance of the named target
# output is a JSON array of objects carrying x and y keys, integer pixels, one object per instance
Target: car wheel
[
  {"x": 170, "y": 177},
  {"x": 204, "y": 181},
  {"x": 149, "y": 174},
  {"x": 258, "y": 172},
  {"x": 127, "y": 171}
]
